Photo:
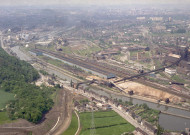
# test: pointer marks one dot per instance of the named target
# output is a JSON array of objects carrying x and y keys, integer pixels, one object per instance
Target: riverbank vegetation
[
  {"x": 142, "y": 110},
  {"x": 147, "y": 113},
  {"x": 16, "y": 77}
]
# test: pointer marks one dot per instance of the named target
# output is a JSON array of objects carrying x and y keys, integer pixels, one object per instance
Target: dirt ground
[
  {"x": 142, "y": 90},
  {"x": 13, "y": 132},
  {"x": 43, "y": 80},
  {"x": 67, "y": 108},
  {"x": 18, "y": 123}
]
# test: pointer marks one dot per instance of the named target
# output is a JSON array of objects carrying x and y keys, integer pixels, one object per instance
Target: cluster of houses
[
  {"x": 105, "y": 103},
  {"x": 93, "y": 104}
]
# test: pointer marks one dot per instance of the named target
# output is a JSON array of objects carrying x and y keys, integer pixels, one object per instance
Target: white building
[
  {"x": 156, "y": 18},
  {"x": 141, "y": 18},
  {"x": 99, "y": 104},
  {"x": 170, "y": 71},
  {"x": 120, "y": 107}
]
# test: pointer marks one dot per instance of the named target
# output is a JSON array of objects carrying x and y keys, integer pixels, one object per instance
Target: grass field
[
  {"x": 73, "y": 126},
  {"x": 4, "y": 118},
  {"x": 106, "y": 123},
  {"x": 4, "y": 98},
  {"x": 177, "y": 78}
]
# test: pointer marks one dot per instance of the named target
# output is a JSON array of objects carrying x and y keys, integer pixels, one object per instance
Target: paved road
[
  {"x": 126, "y": 117},
  {"x": 130, "y": 119},
  {"x": 77, "y": 132}
]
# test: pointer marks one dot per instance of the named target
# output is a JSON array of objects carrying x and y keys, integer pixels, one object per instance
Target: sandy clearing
[{"x": 142, "y": 90}]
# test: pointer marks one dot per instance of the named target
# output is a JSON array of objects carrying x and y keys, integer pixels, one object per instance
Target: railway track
[
  {"x": 92, "y": 65},
  {"x": 88, "y": 64},
  {"x": 143, "y": 74}
]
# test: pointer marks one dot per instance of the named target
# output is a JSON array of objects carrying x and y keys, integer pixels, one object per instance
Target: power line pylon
[{"x": 92, "y": 128}]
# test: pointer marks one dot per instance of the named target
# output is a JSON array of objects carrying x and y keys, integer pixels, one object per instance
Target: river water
[
  {"x": 168, "y": 122},
  {"x": 173, "y": 122}
]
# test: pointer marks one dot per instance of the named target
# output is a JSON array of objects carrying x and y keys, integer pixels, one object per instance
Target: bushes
[{"x": 43, "y": 72}]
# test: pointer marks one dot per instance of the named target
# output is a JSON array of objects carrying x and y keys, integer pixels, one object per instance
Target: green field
[
  {"x": 106, "y": 123},
  {"x": 73, "y": 126},
  {"x": 4, "y": 118},
  {"x": 4, "y": 98},
  {"x": 178, "y": 79}
]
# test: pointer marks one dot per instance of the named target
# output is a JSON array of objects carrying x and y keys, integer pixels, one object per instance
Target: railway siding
[{"x": 105, "y": 70}]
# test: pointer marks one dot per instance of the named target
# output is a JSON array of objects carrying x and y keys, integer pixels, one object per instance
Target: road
[
  {"x": 77, "y": 132},
  {"x": 128, "y": 119},
  {"x": 103, "y": 70},
  {"x": 65, "y": 105},
  {"x": 55, "y": 122},
  {"x": 120, "y": 112}
]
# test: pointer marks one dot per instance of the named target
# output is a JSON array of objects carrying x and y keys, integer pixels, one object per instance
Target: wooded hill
[{"x": 31, "y": 101}]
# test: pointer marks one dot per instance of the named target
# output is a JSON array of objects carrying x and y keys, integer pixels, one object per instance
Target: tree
[
  {"x": 30, "y": 101},
  {"x": 160, "y": 130}
]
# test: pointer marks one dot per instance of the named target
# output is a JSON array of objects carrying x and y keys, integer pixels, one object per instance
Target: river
[{"x": 168, "y": 122}]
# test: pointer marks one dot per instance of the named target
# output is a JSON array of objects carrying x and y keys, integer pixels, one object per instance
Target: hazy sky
[{"x": 89, "y": 2}]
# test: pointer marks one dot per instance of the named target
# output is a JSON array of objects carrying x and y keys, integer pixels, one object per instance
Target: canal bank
[
  {"x": 169, "y": 122},
  {"x": 102, "y": 75},
  {"x": 164, "y": 119}
]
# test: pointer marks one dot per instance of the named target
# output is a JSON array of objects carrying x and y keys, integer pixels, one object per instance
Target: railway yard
[
  {"x": 60, "y": 116},
  {"x": 125, "y": 72},
  {"x": 120, "y": 73}
]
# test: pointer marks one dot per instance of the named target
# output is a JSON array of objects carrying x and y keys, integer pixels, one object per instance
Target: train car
[{"x": 176, "y": 83}]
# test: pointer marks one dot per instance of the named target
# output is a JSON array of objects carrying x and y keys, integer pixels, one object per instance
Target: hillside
[{"x": 16, "y": 77}]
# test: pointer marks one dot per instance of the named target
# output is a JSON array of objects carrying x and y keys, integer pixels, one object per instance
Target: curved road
[{"x": 77, "y": 132}]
